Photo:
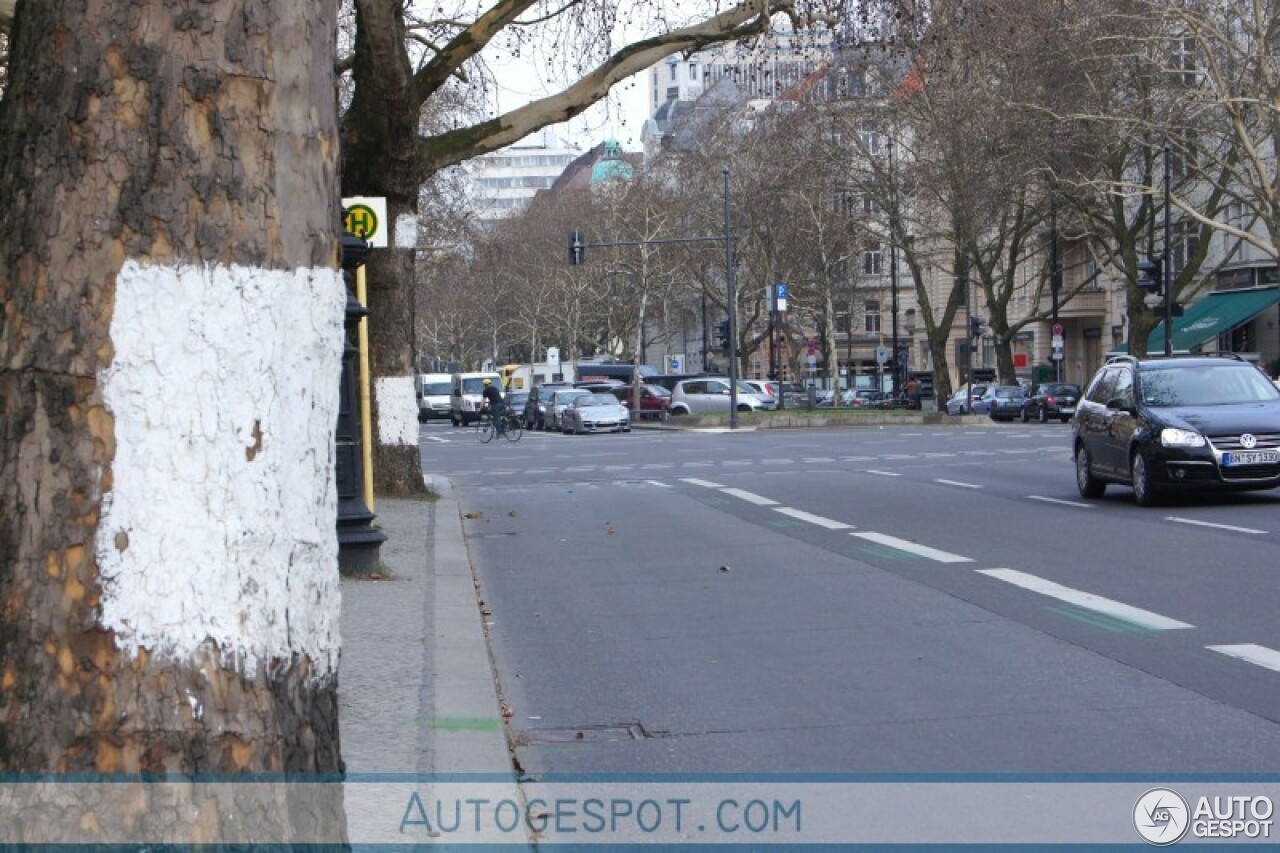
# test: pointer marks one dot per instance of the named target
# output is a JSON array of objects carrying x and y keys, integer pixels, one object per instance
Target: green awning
[{"x": 1219, "y": 312}]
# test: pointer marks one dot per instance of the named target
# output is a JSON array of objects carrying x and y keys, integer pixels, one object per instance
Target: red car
[{"x": 655, "y": 401}]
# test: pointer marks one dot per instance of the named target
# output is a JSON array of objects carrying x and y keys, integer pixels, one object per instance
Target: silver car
[
  {"x": 595, "y": 413},
  {"x": 710, "y": 395},
  {"x": 556, "y": 403}
]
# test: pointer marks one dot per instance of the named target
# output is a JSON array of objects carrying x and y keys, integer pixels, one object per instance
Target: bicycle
[{"x": 512, "y": 430}]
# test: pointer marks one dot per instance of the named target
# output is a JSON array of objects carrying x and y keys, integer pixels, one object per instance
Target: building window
[
  {"x": 873, "y": 259},
  {"x": 870, "y": 137},
  {"x": 871, "y": 316},
  {"x": 693, "y": 71},
  {"x": 672, "y": 70},
  {"x": 1183, "y": 61},
  {"x": 869, "y": 205}
]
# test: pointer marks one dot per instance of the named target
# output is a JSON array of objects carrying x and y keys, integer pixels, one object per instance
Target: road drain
[{"x": 585, "y": 734}]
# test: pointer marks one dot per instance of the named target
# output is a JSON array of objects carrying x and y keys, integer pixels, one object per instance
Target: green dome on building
[{"x": 611, "y": 166}]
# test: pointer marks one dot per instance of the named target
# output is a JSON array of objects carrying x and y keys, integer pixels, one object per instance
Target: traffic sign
[
  {"x": 1057, "y": 330},
  {"x": 366, "y": 217},
  {"x": 882, "y": 355}
]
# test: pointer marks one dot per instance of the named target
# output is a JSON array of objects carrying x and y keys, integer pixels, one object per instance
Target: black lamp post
[{"x": 358, "y": 540}]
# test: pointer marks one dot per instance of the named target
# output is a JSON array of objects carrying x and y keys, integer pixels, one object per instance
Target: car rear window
[{"x": 1063, "y": 390}]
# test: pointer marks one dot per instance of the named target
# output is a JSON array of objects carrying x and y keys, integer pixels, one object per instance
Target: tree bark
[{"x": 172, "y": 333}]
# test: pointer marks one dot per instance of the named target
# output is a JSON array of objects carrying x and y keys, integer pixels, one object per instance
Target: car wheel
[
  {"x": 1144, "y": 494},
  {"x": 1088, "y": 485},
  {"x": 1025, "y": 417},
  {"x": 1043, "y": 416}
]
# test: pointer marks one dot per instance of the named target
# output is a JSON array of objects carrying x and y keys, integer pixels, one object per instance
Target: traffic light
[
  {"x": 975, "y": 327},
  {"x": 722, "y": 334},
  {"x": 1151, "y": 275},
  {"x": 577, "y": 248},
  {"x": 354, "y": 250}
]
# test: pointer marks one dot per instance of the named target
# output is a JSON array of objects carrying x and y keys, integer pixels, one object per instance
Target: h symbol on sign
[{"x": 362, "y": 222}]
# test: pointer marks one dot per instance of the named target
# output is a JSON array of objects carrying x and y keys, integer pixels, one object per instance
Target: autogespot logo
[{"x": 1161, "y": 816}]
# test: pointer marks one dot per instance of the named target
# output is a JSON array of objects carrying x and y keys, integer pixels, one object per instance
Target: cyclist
[{"x": 495, "y": 406}]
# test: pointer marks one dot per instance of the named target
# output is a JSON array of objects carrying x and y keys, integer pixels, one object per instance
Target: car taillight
[{"x": 1052, "y": 401}]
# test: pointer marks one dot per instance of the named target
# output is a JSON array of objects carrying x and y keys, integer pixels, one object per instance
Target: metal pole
[
  {"x": 733, "y": 324},
  {"x": 1166, "y": 264},
  {"x": 893, "y": 277},
  {"x": 968, "y": 336},
  {"x": 1055, "y": 278}
]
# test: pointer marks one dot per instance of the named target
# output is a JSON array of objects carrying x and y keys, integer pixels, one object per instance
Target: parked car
[
  {"x": 655, "y": 401},
  {"x": 709, "y": 395},
  {"x": 599, "y": 412},
  {"x": 1006, "y": 402},
  {"x": 556, "y": 403},
  {"x": 1050, "y": 400},
  {"x": 958, "y": 404},
  {"x": 517, "y": 403},
  {"x": 861, "y": 398},
  {"x": 766, "y": 391},
  {"x": 1162, "y": 425},
  {"x": 535, "y": 408}
]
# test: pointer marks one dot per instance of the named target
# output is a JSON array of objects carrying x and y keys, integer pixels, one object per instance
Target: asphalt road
[{"x": 895, "y": 600}]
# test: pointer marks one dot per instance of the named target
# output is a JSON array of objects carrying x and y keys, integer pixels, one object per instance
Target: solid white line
[
  {"x": 912, "y": 547},
  {"x": 749, "y": 497},
  {"x": 1088, "y": 601},
  {"x": 883, "y": 473},
  {"x": 1250, "y": 653},
  {"x": 706, "y": 484},
  {"x": 1212, "y": 524},
  {"x": 958, "y": 483},
  {"x": 658, "y": 483},
  {"x": 1059, "y": 501},
  {"x": 829, "y": 523}
]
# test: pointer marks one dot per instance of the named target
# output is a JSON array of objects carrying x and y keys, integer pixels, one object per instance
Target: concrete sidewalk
[{"x": 416, "y": 684}]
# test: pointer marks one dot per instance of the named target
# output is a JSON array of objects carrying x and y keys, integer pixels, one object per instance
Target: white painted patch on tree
[
  {"x": 397, "y": 404},
  {"x": 220, "y": 523},
  {"x": 406, "y": 236}
]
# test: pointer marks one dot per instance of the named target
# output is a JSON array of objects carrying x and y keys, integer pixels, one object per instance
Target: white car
[
  {"x": 764, "y": 390},
  {"x": 599, "y": 412},
  {"x": 556, "y": 404},
  {"x": 710, "y": 395}
]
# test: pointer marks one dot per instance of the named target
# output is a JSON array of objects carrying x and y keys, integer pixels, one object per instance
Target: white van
[
  {"x": 433, "y": 396},
  {"x": 465, "y": 394}
]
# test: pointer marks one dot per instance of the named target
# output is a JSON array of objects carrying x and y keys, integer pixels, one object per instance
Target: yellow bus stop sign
[{"x": 366, "y": 218}]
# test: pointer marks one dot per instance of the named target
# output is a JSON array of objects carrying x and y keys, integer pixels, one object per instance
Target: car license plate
[
  {"x": 1068, "y": 410},
  {"x": 1250, "y": 457}
]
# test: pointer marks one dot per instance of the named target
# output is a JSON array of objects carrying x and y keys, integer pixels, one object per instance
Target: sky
[{"x": 620, "y": 116}]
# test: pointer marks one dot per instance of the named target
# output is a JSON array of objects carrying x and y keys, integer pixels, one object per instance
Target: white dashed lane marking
[
  {"x": 912, "y": 547},
  {"x": 829, "y": 523},
  {"x": 1230, "y": 527},
  {"x": 749, "y": 497},
  {"x": 706, "y": 484},
  {"x": 1250, "y": 653},
  {"x": 1059, "y": 501},
  {"x": 958, "y": 483},
  {"x": 1086, "y": 600}
]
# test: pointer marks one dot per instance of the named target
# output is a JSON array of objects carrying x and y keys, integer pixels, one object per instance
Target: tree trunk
[
  {"x": 171, "y": 352},
  {"x": 379, "y": 158}
]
